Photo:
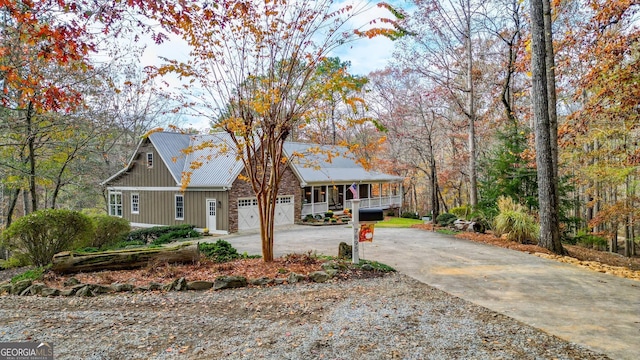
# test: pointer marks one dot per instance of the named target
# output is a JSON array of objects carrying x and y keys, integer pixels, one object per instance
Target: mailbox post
[
  {"x": 364, "y": 215},
  {"x": 355, "y": 221}
]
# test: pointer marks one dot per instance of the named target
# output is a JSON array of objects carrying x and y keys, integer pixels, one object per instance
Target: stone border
[{"x": 29, "y": 288}]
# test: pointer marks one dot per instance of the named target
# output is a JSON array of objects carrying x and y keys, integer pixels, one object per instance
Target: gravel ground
[{"x": 392, "y": 317}]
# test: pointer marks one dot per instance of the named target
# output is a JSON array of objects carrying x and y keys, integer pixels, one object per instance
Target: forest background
[{"x": 451, "y": 112}]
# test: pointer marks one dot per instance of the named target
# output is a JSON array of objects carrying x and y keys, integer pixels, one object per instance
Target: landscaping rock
[
  {"x": 331, "y": 272},
  {"x": 319, "y": 276},
  {"x": 6, "y": 288},
  {"x": 199, "y": 285},
  {"x": 278, "y": 281},
  {"x": 332, "y": 265},
  {"x": 20, "y": 286},
  {"x": 100, "y": 289},
  {"x": 67, "y": 292},
  {"x": 155, "y": 286},
  {"x": 32, "y": 290},
  {"x": 294, "y": 278},
  {"x": 229, "y": 282},
  {"x": 121, "y": 287},
  {"x": 345, "y": 251},
  {"x": 71, "y": 281},
  {"x": 47, "y": 291},
  {"x": 367, "y": 267},
  {"x": 175, "y": 285},
  {"x": 85, "y": 291},
  {"x": 261, "y": 281},
  {"x": 181, "y": 284}
]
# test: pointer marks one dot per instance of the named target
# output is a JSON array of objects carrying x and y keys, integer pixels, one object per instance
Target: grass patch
[
  {"x": 396, "y": 222},
  {"x": 447, "y": 231},
  {"x": 33, "y": 274}
]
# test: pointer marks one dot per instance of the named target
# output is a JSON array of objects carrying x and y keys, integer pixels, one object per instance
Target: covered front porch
[{"x": 318, "y": 199}]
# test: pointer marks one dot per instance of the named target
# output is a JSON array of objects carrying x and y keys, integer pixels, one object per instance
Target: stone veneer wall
[{"x": 289, "y": 185}]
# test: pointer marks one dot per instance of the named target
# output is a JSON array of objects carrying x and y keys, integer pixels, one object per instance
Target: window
[
  {"x": 115, "y": 203},
  {"x": 135, "y": 203},
  {"x": 247, "y": 202},
  {"x": 179, "y": 207},
  {"x": 284, "y": 200},
  {"x": 149, "y": 160}
]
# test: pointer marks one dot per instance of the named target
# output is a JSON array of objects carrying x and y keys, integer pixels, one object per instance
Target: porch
[{"x": 319, "y": 199}]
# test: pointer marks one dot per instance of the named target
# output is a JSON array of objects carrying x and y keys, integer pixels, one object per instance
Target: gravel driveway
[{"x": 393, "y": 317}]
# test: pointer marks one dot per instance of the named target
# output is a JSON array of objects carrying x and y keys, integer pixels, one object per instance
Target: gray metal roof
[
  {"x": 313, "y": 163},
  {"x": 170, "y": 146},
  {"x": 220, "y": 165},
  {"x": 325, "y": 163}
]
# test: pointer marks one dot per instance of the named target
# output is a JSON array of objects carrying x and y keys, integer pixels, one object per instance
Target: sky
[{"x": 365, "y": 55}]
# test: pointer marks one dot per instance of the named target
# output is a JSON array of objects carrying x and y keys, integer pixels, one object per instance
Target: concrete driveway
[{"x": 598, "y": 311}]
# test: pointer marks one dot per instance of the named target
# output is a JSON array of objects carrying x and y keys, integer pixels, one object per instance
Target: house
[{"x": 148, "y": 191}]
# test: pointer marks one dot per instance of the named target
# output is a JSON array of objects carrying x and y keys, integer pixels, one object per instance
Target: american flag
[{"x": 354, "y": 190}]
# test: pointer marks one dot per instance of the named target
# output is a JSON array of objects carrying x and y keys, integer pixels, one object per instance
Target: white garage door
[
  {"x": 284, "y": 210},
  {"x": 249, "y": 217}
]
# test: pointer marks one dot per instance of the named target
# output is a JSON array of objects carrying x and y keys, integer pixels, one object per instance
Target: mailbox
[{"x": 370, "y": 215}]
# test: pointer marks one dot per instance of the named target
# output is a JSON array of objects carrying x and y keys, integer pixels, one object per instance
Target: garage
[{"x": 249, "y": 217}]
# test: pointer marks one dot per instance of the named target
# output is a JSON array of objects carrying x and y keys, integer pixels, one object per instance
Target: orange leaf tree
[{"x": 251, "y": 64}]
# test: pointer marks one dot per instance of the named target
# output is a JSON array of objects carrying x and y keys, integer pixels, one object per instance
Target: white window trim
[
  {"x": 149, "y": 163},
  {"x": 176, "y": 206},
  {"x": 133, "y": 211},
  {"x": 113, "y": 206}
]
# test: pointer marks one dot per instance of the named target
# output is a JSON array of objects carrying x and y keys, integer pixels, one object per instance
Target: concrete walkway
[{"x": 598, "y": 311}]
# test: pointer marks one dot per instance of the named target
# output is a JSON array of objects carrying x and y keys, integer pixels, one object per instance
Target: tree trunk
[
  {"x": 69, "y": 262},
  {"x": 13, "y": 201},
  {"x": 31, "y": 139},
  {"x": 549, "y": 227},
  {"x": 473, "y": 178},
  {"x": 551, "y": 89}
]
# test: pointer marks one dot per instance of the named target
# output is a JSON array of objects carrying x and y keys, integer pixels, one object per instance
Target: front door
[{"x": 211, "y": 214}]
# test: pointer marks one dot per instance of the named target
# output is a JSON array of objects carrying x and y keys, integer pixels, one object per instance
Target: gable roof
[
  {"x": 316, "y": 166},
  {"x": 220, "y": 167}
]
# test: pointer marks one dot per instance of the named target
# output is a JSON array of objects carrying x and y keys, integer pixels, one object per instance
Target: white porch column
[{"x": 313, "y": 202}]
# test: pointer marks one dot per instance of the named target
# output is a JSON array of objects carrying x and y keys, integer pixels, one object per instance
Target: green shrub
[
  {"x": 446, "y": 219},
  {"x": 462, "y": 212},
  {"x": 147, "y": 235},
  {"x": 591, "y": 241},
  {"x": 515, "y": 222},
  {"x": 15, "y": 261},
  {"x": 109, "y": 230},
  {"x": 409, "y": 215},
  {"x": 334, "y": 220},
  {"x": 220, "y": 251},
  {"x": 328, "y": 214},
  {"x": 177, "y": 234},
  {"x": 42, "y": 234}
]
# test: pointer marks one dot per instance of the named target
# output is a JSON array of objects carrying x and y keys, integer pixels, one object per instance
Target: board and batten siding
[
  {"x": 142, "y": 176},
  {"x": 159, "y": 208}
]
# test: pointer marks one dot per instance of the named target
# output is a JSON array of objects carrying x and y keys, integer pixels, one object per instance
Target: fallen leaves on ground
[
  {"x": 203, "y": 270},
  {"x": 601, "y": 261}
]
